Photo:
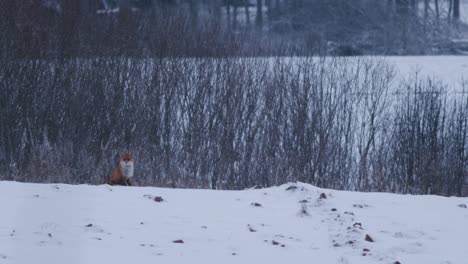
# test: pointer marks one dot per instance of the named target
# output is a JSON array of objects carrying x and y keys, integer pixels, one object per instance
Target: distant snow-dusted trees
[{"x": 155, "y": 28}]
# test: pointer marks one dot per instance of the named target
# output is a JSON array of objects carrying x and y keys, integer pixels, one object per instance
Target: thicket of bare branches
[
  {"x": 184, "y": 85},
  {"x": 232, "y": 123}
]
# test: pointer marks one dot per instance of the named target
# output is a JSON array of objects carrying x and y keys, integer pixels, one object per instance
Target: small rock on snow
[{"x": 368, "y": 238}]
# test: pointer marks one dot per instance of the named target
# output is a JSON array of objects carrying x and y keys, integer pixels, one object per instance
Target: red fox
[{"x": 124, "y": 171}]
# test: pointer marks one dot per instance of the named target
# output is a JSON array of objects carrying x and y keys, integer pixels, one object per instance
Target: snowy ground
[
  {"x": 451, "y": 70},
  {"x": 103, "y": 224}
]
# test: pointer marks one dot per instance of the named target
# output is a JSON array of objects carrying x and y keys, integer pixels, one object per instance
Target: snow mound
[{"x": 43, "y": 223}]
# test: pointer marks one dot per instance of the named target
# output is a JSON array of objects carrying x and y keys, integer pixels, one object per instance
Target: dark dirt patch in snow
[
  {"x": 158, "y": 199},
  {"x": 357, "y": 225},
  {"x": 251, "y": 229},
  {"x": 154, "y": 198},
  {"x": 292, "y": 187},
  {"x": 360, "y": 206}
]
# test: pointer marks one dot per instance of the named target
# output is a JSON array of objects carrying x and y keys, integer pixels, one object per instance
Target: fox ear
[
  {"x": 131, "y": 153},
  {"x": 121, "y": 154}
]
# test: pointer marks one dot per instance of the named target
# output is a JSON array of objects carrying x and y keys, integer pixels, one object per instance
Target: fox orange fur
[{"x": 121, "y": 175}]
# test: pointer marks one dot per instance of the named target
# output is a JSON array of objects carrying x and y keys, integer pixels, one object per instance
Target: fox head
[
  {"x": 126, "y": 156},
  {"x": 126, "y": 162}
]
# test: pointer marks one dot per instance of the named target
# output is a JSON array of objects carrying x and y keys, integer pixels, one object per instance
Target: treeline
[
  {"x": 232, "y": 123},
  {"x": 217, "y": 28}
]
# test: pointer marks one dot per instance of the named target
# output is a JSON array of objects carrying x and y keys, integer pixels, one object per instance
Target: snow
[
  {"x": 464, "y": 10},
  {"x": 451, "y": 70},
  {"x": 57, "y": 223}
]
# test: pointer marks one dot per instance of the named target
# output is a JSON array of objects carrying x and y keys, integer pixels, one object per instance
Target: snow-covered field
[
  {"x": 43, "y": 223},
  {"x": 451, "y": 70}
]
